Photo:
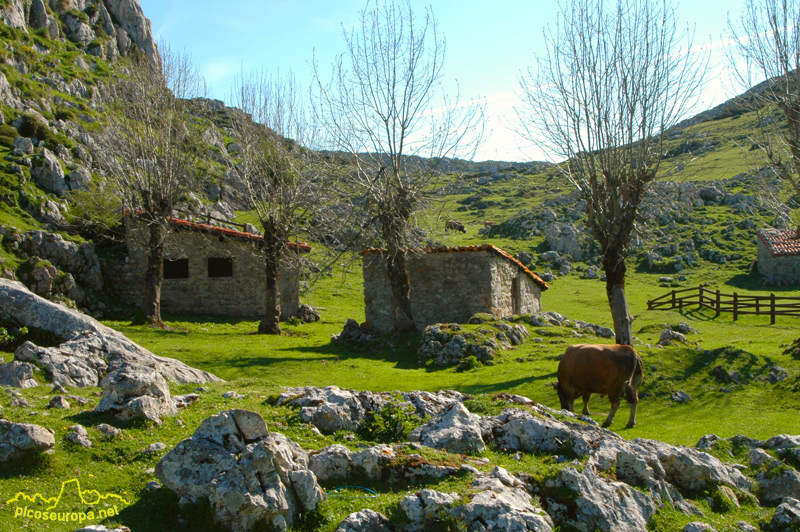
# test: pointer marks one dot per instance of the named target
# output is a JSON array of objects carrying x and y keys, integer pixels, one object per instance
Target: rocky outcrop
[
  {"x": 446, "y": 345},
  {"x": 247, "y": 474},
  {"x": 85, "y": 337},
  {"x": 135, "y": 392},
  {"x": 19, "y": 439},
  {"x": 79, "y": 260},
  {"x": 454, "y": 430},
  {"x": 17, "y": 374}
]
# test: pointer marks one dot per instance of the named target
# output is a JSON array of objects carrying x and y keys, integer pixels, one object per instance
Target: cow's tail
[{"x": 635, "y": 380}]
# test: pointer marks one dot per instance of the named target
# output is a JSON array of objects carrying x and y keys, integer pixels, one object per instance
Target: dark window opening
[
  {"x": 515, "y": 296},
  {"x": 219, "y": 267},
  {"x": 176, "y": 269}
]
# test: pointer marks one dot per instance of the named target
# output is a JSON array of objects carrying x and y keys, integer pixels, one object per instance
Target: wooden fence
[{"x": 738, "y": 304}]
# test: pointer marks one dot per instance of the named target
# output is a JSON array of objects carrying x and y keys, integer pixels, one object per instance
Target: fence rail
[{"x": 737, "y": 304}]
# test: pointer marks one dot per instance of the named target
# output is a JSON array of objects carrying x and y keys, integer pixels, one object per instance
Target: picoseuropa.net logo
[{"x": 71, "y": 505}]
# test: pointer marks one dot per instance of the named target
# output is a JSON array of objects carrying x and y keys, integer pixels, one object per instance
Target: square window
[
  {"x": 220, "y": 267},
  {"x": 176, "y": 269}
]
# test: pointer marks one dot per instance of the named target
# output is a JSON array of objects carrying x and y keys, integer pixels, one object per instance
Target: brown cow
[{"x": 611, "y": 370}]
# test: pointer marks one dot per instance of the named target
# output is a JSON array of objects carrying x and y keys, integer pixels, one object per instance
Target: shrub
[
  {"x": 7, "y": 135},
  {"x": 468, "y": 363},
  {"x": 34, "y": 126},
  {"x": 95, "y": 212},
  {"x": 391, "y": 424}
]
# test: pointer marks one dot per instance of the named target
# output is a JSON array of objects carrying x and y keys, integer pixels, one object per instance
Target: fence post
[
  {"x": 735, "y": 306},
  {"x": 772, "y": 309},
  {"x": 673, "y": 299},
  {"x": 716, "y": 304}
]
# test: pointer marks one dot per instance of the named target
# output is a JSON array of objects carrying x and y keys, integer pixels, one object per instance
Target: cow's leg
[
  {"x": 614, "y": 407},
  {"x": 586, "y": 398},
  {"x": 632, "y": 419}
]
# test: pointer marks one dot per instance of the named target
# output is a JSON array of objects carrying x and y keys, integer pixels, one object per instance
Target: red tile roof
[
  {"x": 780, "y": 242},
  {"x": 461, "y": 249},
  {"x": 231, "y": 233}
]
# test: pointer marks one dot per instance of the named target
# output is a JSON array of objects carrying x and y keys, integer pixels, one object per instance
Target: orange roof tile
[
  {"x": 461, "y": 249},
  {"x": 780, "y": 243},
  {"x": 232, "y": 233}
]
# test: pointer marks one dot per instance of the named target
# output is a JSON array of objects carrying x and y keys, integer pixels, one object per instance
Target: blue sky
[{"x": 488, "y": 45}]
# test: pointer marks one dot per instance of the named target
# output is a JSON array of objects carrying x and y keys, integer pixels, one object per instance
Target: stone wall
[
  {"x": 241, "y": 295},
  {"x": 776, "y": 269},
  {"x": 449, "y": 287}
]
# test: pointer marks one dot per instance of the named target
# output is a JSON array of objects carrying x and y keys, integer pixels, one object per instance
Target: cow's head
[{"x": 562, "y": 395}]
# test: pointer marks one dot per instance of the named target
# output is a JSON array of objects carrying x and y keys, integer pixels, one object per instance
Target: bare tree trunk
[
  {"x": 614, "y": 266},
  {"x": 401, "y": 291},
  {"x": 270, "y": 324},
  {"x": 151, "y": 306}
]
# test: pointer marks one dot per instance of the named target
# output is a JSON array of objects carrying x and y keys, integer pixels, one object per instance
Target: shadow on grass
[
  {"x": 159, "y": 510},
  {"x": 27, "y": 465},
  {"x": 504, "y": 386}
]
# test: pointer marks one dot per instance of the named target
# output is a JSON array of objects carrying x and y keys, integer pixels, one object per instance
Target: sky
[{"x": 489, "y": 45}]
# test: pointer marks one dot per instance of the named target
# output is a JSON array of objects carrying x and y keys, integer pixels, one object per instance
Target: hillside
[{"x": 727, "y": 387}]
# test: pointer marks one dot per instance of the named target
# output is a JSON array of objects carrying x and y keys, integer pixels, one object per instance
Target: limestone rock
[
  {"x": 59, "y": 401},
  {"x": 18, "y": 439},
  {"x": 17, "y": 374},
  {"x": 132, "y": 23},
  {"x": 455, "y": 430},
  {"x": 603, "y": 505},
  {"x": 136, "y": 392},
  {"x": 79, "y": 179},
  {"x": 668, "y": 336},
  {"x": 786, "y": 517},
  {"x": 365, "y": 521},
  {"x": 14, "y": 15},
  {"x": 371, "y": 461},
  {"x": 332, "y": 462},
  {"x": 332, "y": 408},
  {"x": 48, "y": 174},
  {"x": 108, "y": 431},
  {"x": 66, "y": 365},
  {"x": 501, "y": 504},
  {"x": 79, "y": 260},
  {"x": 78, "y": 435},
  {"x": 247, "y": 474},
  {"x": 88, "y": 334},
  {"x": 697, "y": 526},
  {"x": 427, "y": 505},
  {"x": 775, "y": 485}
]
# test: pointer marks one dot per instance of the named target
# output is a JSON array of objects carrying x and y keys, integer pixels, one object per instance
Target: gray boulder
[
  {"x": 136, "y": 392},
  {"x": 24, "y": 144},
  {"x": 77, "y": 434},
  {"x": 426, "y": 505},
  {"x": 17, "y": 374},
  {"x": 455, "y": 430},
  {"x": 697, "y": 526},
  {"x": 247, "y": 474},
  {"x": 30, "y": 310},
  {"x": 601, "y": 504},
  {"x": 372, "y": 461},
  {"x": 67, "y": 365},
  {"x": 79, "y": 179},
  {"x": 332, "y": 408},
  {"x": 565, "y": 239},
  {"x": 668, "y": 336},
  {"x": 332, "y": 462},
  {"x": 48, "y": 173},
  {"x": 786, "y": 517},
  {"x": 776, "y": 484},
  {"x": 19, "y": 439},
  {"x": 365, "y": 521},
  {"x": 79, "y": 260},
  {"x": 133, "y": 25},
  {"x": 501, "y": 504}
]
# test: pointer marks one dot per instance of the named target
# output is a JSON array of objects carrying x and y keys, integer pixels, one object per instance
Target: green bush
[
  {"x": 11, "y": 337},
  {"x": 391, "y": 424},
  {"x": 468, "y": 363},
  {"x": 95, "y": 212},
  {"x": 7, "y": 135},
  {"x": 33, "y": 126}
]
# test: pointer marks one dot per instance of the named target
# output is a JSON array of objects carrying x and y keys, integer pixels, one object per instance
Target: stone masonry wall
[
  {"x": 775, "y": 269},
  {"x": 241, "y": 295},
  {"x": 448, "y": 288}
]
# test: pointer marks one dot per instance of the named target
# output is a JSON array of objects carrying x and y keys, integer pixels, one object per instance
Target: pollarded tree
[
  {"x": 148, "y": 152},
  {"x": 384, "y": 103},
  {"x": 768, "y": 41},
  {"x": 615, "y": 76},
  {"x": 277, "y": 171}
]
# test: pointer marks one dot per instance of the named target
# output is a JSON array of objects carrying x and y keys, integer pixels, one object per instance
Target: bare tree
[
  {"x": 768, "y": 41},
  {"x": 277, "y": 171},
  {"x": 148, "y": 152},
  {"x": 613, "y": 79},
  {"x": 384, "y": 103}
]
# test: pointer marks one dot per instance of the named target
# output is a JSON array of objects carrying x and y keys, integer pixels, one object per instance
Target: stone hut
[
  {"x": 779, "y": 255},
  {"x": 209, "y": 269},
  {"x": 451, "y": 284}
]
